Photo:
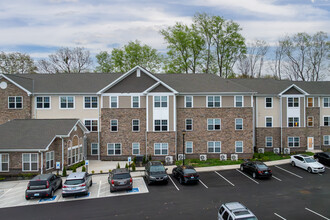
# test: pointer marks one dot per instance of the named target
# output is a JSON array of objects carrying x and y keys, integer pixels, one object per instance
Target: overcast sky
[{"x": 39, "y": 27}]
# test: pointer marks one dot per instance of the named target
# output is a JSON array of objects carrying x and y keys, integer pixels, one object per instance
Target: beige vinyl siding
[
  {"x": 124, "y": 101},
  {"x": 263, "y": 111},
  {"x": 302, "y": 111},
  {"x": 106, "y": 101},
  {"x": 143, "y": 101},
  {"x": 180, "y": 101},
  {"x": 227, "y": 101},
  {"x": 284, "y": 114},
  {"x": 199, "y": 101},
  {"x": 247, "y": 101}
]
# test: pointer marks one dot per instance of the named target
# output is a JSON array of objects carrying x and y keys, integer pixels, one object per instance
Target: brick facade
[{"x": 262, "y": 133}]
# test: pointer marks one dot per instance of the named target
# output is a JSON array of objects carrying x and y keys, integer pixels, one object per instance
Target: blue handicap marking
[
  {"x": 48, "y": 199},
  {"x": 83, "y": 196},
  {"x": 133, "y": 190}
]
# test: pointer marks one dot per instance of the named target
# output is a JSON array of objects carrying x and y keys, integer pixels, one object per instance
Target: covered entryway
[{"x": 310, "y": 143}]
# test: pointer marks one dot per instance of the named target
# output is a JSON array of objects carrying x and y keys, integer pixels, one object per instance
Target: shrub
[
  {"x": 118, "y": 165},
  {"x": 2, "y": 178},
  {"x": 149, "y": 159},
  {"x": 93, "y": 171},
  {"x": 134, "y": 160},
  {"x": 126, "y": 166},
  {"x": 265, "y": 158},
  {"x": 82, "y": 163},
  {"x": 64, "y": 172},
  {"x": 109, "y": 171},
  {"x": 74, "y": 170},
  {"x": 144, "y": 159},
  {"x": 101, "y": 171},
  {"x": 83, "y": 169},
  {"x": 133, "y": 166}
]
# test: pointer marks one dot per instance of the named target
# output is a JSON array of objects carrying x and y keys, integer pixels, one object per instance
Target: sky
[{"x": 40, "y": 27}]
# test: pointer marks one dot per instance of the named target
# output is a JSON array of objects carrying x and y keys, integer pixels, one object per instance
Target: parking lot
[{"x": 292, "y": 193}]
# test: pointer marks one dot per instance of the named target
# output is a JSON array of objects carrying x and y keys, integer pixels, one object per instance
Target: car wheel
[
  {"x": 242, "y": 168},
  {"x": 27, "y": 198},
  {"x": 63, "y": 196},
  {"x": 148, "y": 181},
  {"x": 111, "y": 190},
  {"x": 293, "y": 164},
  {"x": 166, "y": 182},
  {"x": 60, "y": 186},
  {"x": 309, "y": 169},
  {"x": 180, "y": 181},
  {"x": 91, "y": 183},
  {"x": 254, "y": 175}
]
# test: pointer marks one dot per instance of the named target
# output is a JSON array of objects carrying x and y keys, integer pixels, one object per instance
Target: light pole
[{"x": 183, "y": 143}]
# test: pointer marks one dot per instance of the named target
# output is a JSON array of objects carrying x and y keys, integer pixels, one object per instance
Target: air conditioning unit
[
  {"x": 223, "y": 156},
  {"x": 203, "y": 157},
  {"x": 261, "y": 150},
  {"x": 276, "y": 150},
  {"x": 181, "y": 156},
  {"x": 234, "y": 157},
  {"x": 286, "y": 150},
  {"x": 169, "y": 159}
]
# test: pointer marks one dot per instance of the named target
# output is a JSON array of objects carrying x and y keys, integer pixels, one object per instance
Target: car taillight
[
  {"x": 186, "y": 176},
  {"x": 64, "y": 187},
  {"x": 112, "y": 182},
  {"x": 47, "y": 185},
  {"x": 83, "y": 184},
  {"x": 28, "y": 186},
  {"x": 259, "y": 171},
  {"x": 130, "y": 180},
  {"x": 270, "y": 171}
]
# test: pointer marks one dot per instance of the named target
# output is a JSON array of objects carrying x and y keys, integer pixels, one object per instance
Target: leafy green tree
[
  {"x": 16, "y": 63},
  {"x": 104, "y": 61}
]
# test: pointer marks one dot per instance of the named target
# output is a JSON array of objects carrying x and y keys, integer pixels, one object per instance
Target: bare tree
[
  {"x": 16, "y": 63},
  {"x": 243, "y": 65},
  {"x": 66, "y": 60},
  {"x": 277, "y": 64}
]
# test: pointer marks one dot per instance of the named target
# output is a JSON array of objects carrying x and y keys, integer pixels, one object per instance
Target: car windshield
[
  {"x": 74, "y": 182},
  {"x": 189, "y": 171},
  {"x": 157, "y": 169},
  {"x": 309, "y": 160},
  {"x": 121, "y": 176},
  {"x": 244, "y": 212},
  {"x": 262, "y": 166}
]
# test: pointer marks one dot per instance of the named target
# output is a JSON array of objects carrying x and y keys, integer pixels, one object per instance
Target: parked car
[
  {"x": 257, "y": 169},
  {"x": 120, "y": 179},
  {"x": 235, "y": 210},
  {"x": 43, "y": 185},
  {"x": 307, "y": 162},
  {"x": 185, "y": 174},
  {"x": 155, "y": 172},
  {"x": 76, "y": 184},
  {"x": 323, "y": 158}
]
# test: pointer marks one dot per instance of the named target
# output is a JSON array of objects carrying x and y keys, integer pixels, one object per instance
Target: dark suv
[
  {"x": 120, "y": 179},
  {"x": 43, "y": 185},
  {"x": 156, "y": 172}
]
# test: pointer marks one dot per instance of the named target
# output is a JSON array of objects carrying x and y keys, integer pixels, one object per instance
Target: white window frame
[
  {"x": 1, "y": 162},
  {"x": 237, "y": 124},
  {"x": 294, "y": 141},
  {"x": 271, "y": 117},
  {"x": 91, "y": 102},
  {"x": 294, "y": 122},
  {"x": 15, "y": 102},
  {"x": 135, "y": 125},
  {"x": 308, "y": 102},
  {"x": 160, "y": 101},
  {"x": 328, "y": 102},
  {"x": 162, "y": 146},
  {"x": 270, "y": 102},
  {"x": 326, "y": 116},
  {"x": 207, "y": 101},
  {"x": 236, "y": 142},
  {"x": 324, "y": 137},
  {"x": 114, "y": 149},
  {"x": 213, "y": 123},
  {"x": 185, "y": 101},
  {"x": 50, "y": 153},
  {"x": 191, "y": 147},
  {"x": 43, "y": 102},
  {"x": 293, "y": 101},
  {"x": 138, "y": 148},
  {"x": 235, "y": 100},
  {"x": 30, "y": 162},
  {"x": 110, "y": 101},
  {"x": 269, "y": 142},
  {"x": 161, "y": 125},
  {"x": 111, "y": 125},
  {"x": 132, "y": 101},
  {"x": 67, "y": 102},
  {"x": 94, "y": 149},
  {"x": 192, "y": 124},
  {"x": 308, "y": 121},
  {"x": 91, "y": 124},
  {"x": 213, "y": 142}
]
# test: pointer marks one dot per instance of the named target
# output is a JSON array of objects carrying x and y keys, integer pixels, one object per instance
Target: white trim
[
  {"x": 312, "y": 143},
  {"x": 160, "y": 125},
  {"x": 293, "y": 122},
  {"x": 91, "y": 120},
  {"x": 117, "y": 125},
  {"x": 91, "y": 108},
  {"x": 242, "y": 124},
  {"x": 207, "y": 124},
  {"x": 192, "y": 101},
  {"x": 326, "y": 116},
  {"x": 50, "y": 152},
  {"x": 192, "y": 147},
  {"x": 30, "y": 162},
  {"x": 160, "y": 101},
  {"x": 266, "y": 141},
  {"x": 266, "y": 121},
  {"x": 307, "y": 121},
  {"x": 139, "y": 102},
  {"x": 147, "y": 113},
  {"x": 293, "y": 141},
  {"x": 114, "y": 149},
  {"x": 98, "y": 148},
  {"x": 161, "y": 149},
  {"x": 138, "y": 125},
  {"x": 43, "y": 102},
  {"x": 74, "y": 104},
  {"x": 266, "y": 102},
  {"x": 133, "y": 148},
  {"x": 324, "y": 140},
  {"x": 242, "y": 147},
  {"x": 110, "y": 101},
  {"x": 235, "y": 101},
  {"x": 16, "y": 84},
  {"x": 328, "y": 102},
  {"x": 1, "y": 170},
  {"x": 296, "y": 87},
  {"x": 293, "y": 97},
  {"x": 308, "y": 102},
  {"x": 15, "y": 101},
  {"x": 192, "y": 124},
  {"x": 207, "y": 147},
  {"x": 207, "y": 106}
]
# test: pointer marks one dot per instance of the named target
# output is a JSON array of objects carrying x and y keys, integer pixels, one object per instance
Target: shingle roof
[{"x": 33, "y": 133}]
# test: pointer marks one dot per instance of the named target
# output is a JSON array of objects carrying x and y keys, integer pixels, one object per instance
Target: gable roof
[
  {"x": 35, "y": 134},
  {"x": 292, "y": 90}
]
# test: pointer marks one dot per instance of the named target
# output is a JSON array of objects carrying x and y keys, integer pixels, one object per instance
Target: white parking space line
[
  {"x": 317, "y": 213},
  {"x": 288, "y": 171},
  {"x": 276, "y": 178},
  {"x": 5, "y": 193},
  {"x": 279, "y": 216},
  {"x": 173, "y": 183},
  {"x": 247, "y": 176},
  {"x": 203, "y": 184},
  {"x": 98, "y": 193},
  {"x": 224, "y": 178},
  {"x": 320, "y": 174},
  {"x": 327, "y": 167}
]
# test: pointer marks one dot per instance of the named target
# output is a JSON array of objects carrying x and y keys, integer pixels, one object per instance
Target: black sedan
[
  {"x": 185, "y": 174},
  {"x": 323, "y": 158},
  {"x": 257, "y": 169}
]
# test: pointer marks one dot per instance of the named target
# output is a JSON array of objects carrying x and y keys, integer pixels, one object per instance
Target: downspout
[
  {"x": 281, "y": 107},
  {"x": 98, "y": 130},
  {"x": 175, "y": 124},
  {"x": 254, "y": 125},
  {"x": 147, "y": 123},
  {"x": 62, "y": 153},
  {"x": 42, "y": 162}
]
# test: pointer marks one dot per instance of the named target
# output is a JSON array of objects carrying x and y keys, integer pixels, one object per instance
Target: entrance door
[{"x": 310, "y": 143}]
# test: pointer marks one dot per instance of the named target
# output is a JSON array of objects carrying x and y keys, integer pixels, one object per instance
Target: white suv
[
  {"x": 235, "y": 211},
  {"x": 306, "y": 162}
]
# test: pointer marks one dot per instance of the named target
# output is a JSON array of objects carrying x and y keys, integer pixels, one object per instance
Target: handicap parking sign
[
  {"x": 86, "y": 162},
  {"x": 47, "y": 199},
  {"x": 58, "y": 165},
  {"x": 134, "y": 190}
]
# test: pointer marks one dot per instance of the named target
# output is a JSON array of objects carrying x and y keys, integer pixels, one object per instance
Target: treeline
[{"x": 211, "y": 44}]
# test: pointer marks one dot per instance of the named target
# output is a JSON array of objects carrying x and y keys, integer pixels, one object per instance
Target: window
[
  {"x": 326, "y": 121},
  {"x": 214, "y": 147},
  {"x": 42, "y": 102},
  {"x": 30, "y": 162},
  {"x": 213, "y": 124},
  {"x": 269, "y": 102},
  {"x": 326, "y": 139},
  {"x": 189, "y": 147},
  {"x": 91, "y": 124},
  {"x": 239, "y": 101},
  {"x": 310, "y": 102},
  {"x": 114, "y": 125},
  {"x": 269, "y": 141},
  {"x": 113, "y": 102},
  {"x": 160, "y": 125},
  {"x": 213, "y": 101},
  {"x": 188, "y": 102},
  {"x": 66, "y": 102},
  {"x": 114, "y": 149},
  {"x": 160, "y": 101},
  {"x": 136, "y": 125},
  {"x": 15, "y": 102},
  {"x": 189, "y": 124},
  {"x": 4, "y": 162},
  {"x": 135, "y": 148},
  {"x": 239, "y": 146},
  {"x": 49, "y": 160},
  {"x": 135, "y": 101},
  {"x": 310, "y": 121},
  {"x": 293, "y": 102},
  {"x": 326, "y": 102},
  {"x": 269, "y": 122},
  {"x": 293, "y": 122},
  {"x": 293, "y": 141},
  {"x": 161, "y": 148},
  {"x": 94, "y": 148},
  {"x": 239, "y": 124},
  {"x": 90, "y": 102}
]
